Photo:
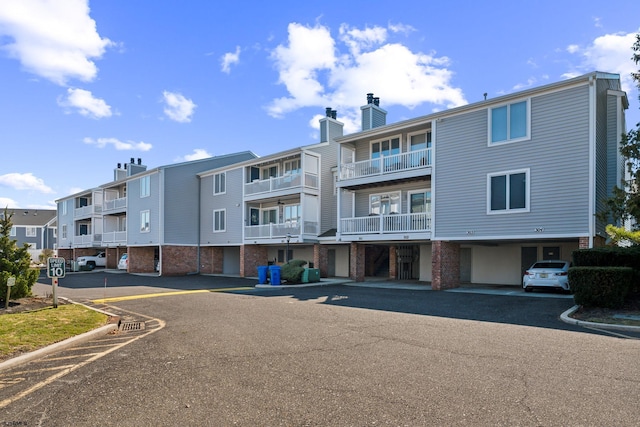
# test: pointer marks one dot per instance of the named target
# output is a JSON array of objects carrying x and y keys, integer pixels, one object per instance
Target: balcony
[
  {"x": 87, "y": 240},
  {"x": 281, "y": 183},
  {"x": 87, "y": 211},
  {"x": 111, "y": 237},
  {"x": 114, "y": 205},
  {"x": 386, "y": 165},
  {"x": 386, "y": 224},
  {"x": 280, "y": 231}
]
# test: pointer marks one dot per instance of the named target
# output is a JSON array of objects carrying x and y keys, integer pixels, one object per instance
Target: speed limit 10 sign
[{"x": 55, "y": 267}]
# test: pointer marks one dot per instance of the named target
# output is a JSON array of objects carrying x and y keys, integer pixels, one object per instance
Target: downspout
[
  {"x": 592, "y": 152},
  {"x": 199, "y": 213},
  {"x": 161, "y": 177}
]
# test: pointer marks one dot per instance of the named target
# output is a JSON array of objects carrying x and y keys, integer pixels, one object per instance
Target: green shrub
[
  {"x": 611, "y": 256},
  {"x": 605, "y": 287},
  {"x": 292, "y": 271}
]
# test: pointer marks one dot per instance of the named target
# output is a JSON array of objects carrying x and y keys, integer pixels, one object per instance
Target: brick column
[
  {"x": 211, "y": 259},
  {"x": 356, "y": 262},
  {"x": 445, "y": 264},
  {"x": 321, "y": 258},
  {"x": 179, "y": 260},
  {"x": 393, "y": 262},
  {"x": 583, "y": 242},
  {"x": 251, "y": 256}
]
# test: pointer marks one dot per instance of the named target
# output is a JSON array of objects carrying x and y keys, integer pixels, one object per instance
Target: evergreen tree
[{"x": 14, "y": 261}]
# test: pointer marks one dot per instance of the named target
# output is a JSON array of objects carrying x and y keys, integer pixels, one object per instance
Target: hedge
[{"x": 605, "y": 287}]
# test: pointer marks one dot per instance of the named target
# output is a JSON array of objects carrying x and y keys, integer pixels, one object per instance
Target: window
[
  {"x": 219, "y": 220},
  {"x": 30, "y": 232},
  {"x": 420, "y": 141},
  {"x": 144, "y": 222},
  {"x": 292, "y": 167},
  {"x": 220, "y": 183},
  {"x": 384, "y": 204},
  {"x": 387, "y": 147},
  {"x": 270, "y": 216},
  {"x": 509, "y": 122},
  {"x": 508, "y": 192},
  {"x": 13, "y": 231},
  {"x": 145, "y": 186},
  {"x": 64, "y": 207},
  {"x": 270, "y": 172},
  {"x": 420, "y": 201},
  {"x": 64, "y": 231},
  {"x": 292, "y": 213}
]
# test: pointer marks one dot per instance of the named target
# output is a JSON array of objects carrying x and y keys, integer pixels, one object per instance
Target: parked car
[
  {"x": 91, "y": 262},
  {"x": 124, "y": 262},
  {"x": 547, "y": 274}
]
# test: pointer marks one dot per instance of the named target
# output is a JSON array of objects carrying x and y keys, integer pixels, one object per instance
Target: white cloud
[
  {"x": 54, "y": 39},
  {"x": 610, "y": 53},
  {"x": 117, "y": 144},
  {"x": 86, "y": 104},
  {"x": 178, "y": 108},
  {"x": 198, "y": 153},
  {"x": 6, "y": 202},
  {"x": 229, "y": 59},
  {"x": 317, "y": 73},
  {"x": 25, "y": 181}
]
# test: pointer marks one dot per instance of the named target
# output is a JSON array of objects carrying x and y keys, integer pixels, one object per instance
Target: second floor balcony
[
  {"x": 295, "y": 230},
  {"x": 114, "y": 237},
  {"x": 87, "y": 211},
  {"x": 383, "y": 225},
  {"x": 114, "y": 205},
  {"x": 84, "y": 240},
  {"x": 280, "y": 184},
  {"x": 391, "y": 166}
]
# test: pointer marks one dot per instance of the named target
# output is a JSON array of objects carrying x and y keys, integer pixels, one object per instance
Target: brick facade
[
  {"x": 356, "y": 262},
  {"x": 141, "y": 259},
  {"x": 113, "y": 256},
  {"x": 251, "y": 256},
  {"x": 445, "y": 265},
  {"x": 179, "y": 260},
  {"x": 321, "y": 259},
  {"x": 211, "y": 259},
  {"x": 393, "y": 262}
]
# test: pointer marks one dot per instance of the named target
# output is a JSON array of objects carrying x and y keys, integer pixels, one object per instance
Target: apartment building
[{"x": 35, "y": 227}]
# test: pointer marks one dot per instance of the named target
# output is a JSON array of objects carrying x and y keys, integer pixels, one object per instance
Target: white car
[
  {"x": 123, "y": 264},
  {"x": 91, "y": 262},
  {"x": 552, "y": 274}
]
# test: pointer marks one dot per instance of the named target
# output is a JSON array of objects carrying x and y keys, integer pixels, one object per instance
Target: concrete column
[
  {"x": 356, "y": 262},
  {"x": 445, "y": 264},
  {"x": 251, "y": 256}
]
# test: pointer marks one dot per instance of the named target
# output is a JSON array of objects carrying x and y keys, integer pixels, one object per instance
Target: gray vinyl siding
[
  {"x": 231, "y": 201},
  {"x": 137, "y": 204},
  {"x": 557, "y": 155},
  {"x": 181, "y": 204},
  {"x": 328, "y": 201},
  {"x": 65, "y": 220},
  {"x": 362, "y": 197}
]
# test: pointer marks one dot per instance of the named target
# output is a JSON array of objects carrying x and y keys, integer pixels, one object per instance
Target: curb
[
  {"x": 69, "y": 342},
  {"x": 566, "y": 318}
]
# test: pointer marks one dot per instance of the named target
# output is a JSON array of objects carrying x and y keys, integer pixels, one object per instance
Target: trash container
[
  {"x": 262, "y": 274},
  {"x": 310, "y": 275},
  {"x": 274, "y": 270}
]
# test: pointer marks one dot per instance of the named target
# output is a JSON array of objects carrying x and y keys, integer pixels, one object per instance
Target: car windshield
[{"x": 559, "y": 265}]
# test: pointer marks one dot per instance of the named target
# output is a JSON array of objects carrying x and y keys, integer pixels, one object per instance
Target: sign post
[
  {"x": 56, "y": 268},
  {"x": 10, "y": 282}
]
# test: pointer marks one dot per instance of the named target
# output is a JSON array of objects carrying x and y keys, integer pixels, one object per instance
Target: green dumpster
[{"x": 310, "y": 275}]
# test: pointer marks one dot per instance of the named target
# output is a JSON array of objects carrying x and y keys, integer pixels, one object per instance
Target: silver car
[{"x": 547, "y": 274}]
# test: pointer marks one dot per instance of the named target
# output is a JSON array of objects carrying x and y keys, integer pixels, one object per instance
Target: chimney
[
  {"x": 372, "y": 115},
  {"x": 139, "y": 161},
  {"x": 330, "y": 128},
  {"x": 119, "y": 173},
  {"x": 132, "y": 160}
]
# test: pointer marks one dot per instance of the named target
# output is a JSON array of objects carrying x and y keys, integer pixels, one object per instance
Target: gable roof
[{"x": 31, "y": 217}]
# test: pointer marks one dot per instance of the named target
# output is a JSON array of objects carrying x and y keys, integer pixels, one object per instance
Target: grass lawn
[{"x": 28, "y": 331}]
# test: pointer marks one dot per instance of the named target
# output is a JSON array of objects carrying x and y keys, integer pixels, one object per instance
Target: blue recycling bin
[
  {"x": 262, "y": 274},
  {"x": 274, "y": 271}
]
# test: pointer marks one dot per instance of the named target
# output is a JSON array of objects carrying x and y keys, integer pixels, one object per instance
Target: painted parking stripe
[{"x": 166, "y": 294}]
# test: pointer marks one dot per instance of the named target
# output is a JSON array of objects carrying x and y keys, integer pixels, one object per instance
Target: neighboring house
[
  {"x": 478, "y": 193},
  {"x": 35, "y": 227},
  {"x": 273, "y": 209},
  {"x": 145, "y": 213}
]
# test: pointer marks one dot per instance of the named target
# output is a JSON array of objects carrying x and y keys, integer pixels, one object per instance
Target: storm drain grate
[{"x": 131, "y": 326}]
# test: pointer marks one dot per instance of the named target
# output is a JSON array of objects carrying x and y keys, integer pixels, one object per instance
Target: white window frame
[
  {"x": 145, "y": 186},
  {"x": 509, "y": 140},
  {"x": 145, "y": 221},
  {"x": 290, "y": 209},
  {"x": 292, "y": 167},
  {"x": 12, "y": 232},
  {"x": 508, "y": 210},
  {"x": 389, "y": 139},
  {"x": 222, "y": 213},
  {"x": 220, "y": 183},
  {"x": 30, "y": 232},
  {"x": 420, "y": 191},
  {"x": 265, "y": 172},
  {"x": 387, "y": 193},
  {"x": 64, "y": 208}
]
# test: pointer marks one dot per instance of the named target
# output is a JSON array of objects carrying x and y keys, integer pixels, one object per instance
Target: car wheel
[
  {"x": 529, "y": 289},
  {"x": 91, "y": 265}
]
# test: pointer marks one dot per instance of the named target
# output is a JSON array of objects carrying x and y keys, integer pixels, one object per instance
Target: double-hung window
[
  {"x": 64, "y": 231},
  {"x": 30, "y": 232},
  {"x": 510, "y": 122},
  {"x": 220, "y": 183},
  {"x": 384, "y": 204},
  {"x": 145, "y": 225},
  {"x": 508, "y": 191},
  {"x": 145, "y": 186},
  {"x": 219, "y": 220}
]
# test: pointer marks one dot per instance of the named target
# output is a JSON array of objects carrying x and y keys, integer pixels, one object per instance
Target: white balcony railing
[
  {"x": 114, "y": 205},
  {"x": 87, "y": 210},
  {"x": 385, "y": 224},
  {"x": 87, "y": 239},
  {"x": 386, "y": 164},
  {"x": 280, "y": 231},
  {"x": 114, "y": 237},
  {"x": 281, "y": 183}
]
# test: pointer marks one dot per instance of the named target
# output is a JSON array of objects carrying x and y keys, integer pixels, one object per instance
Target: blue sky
[{"x": 86, "y": 85}]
